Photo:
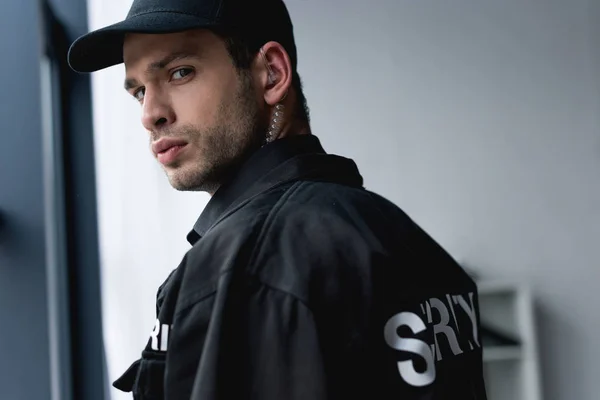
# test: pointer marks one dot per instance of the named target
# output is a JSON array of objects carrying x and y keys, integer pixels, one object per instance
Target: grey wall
[
  {"x": 24, "y": 364},
  {"x": 481, "y": 119}
]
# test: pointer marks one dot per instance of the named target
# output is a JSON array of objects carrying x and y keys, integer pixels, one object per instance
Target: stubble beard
[{"x": 235, "y": 135}]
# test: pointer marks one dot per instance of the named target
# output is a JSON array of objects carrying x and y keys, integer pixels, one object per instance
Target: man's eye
[
  {"x": 139, "y": 94},
  {"x": 181, "y": 73}
]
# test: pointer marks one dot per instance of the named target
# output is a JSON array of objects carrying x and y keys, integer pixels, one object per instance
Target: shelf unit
[{"x": 511, "y": 372}]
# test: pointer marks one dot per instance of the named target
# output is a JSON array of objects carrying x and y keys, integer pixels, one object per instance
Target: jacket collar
[{"x": 284, "y": 160}]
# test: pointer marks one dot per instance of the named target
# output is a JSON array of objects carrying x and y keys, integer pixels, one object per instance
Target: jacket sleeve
[{"x": 262, "y": 344}]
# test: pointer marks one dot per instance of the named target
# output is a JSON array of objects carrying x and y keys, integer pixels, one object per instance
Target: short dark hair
[{"x": 242, "y": 53}]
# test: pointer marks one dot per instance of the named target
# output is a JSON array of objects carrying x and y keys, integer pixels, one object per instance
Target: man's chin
[
  {"x": 189, "y": 182},
  {"x": 185, "y": 186}
]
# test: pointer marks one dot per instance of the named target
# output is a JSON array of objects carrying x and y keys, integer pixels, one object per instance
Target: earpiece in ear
[{"x": 272, "y": 78}]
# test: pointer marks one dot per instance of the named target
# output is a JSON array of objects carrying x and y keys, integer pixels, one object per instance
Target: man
[{"x": 300, "y": 284}]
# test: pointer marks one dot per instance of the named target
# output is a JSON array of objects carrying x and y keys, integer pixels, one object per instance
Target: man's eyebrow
[{"x": 130, "y": 83}]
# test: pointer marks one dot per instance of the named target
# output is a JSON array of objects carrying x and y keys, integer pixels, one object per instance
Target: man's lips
[
  {"x": 164, "y": 144},
  {"x": 166, "y": 150}
]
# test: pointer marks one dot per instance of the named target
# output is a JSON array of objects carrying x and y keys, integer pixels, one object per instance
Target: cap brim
[{"x": 103, "y": 48}]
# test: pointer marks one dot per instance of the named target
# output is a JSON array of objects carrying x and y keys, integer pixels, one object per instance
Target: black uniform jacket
[{"x": 302, "y": 285}]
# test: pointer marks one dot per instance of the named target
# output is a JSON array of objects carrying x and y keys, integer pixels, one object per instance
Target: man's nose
[{"x": 156, "y": 112}]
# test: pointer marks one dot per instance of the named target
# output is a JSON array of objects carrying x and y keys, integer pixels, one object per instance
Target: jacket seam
[
  {"x": 257, "y": 279},
  {"x": 276, "y": 289},
  {"x": 260, "y": 242},
  {"x": 189, "y": 303}
]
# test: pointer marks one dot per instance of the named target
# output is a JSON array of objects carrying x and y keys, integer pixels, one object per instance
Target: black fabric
[
  {"x": 303, "y": 285},
  {"x": 257, "y": 21}
]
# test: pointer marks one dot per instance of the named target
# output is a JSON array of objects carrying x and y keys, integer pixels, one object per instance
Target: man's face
[{"x": 202, "y": 114}]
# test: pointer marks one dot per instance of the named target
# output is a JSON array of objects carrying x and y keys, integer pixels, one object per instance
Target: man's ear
[{"x": 275, "y": 72}]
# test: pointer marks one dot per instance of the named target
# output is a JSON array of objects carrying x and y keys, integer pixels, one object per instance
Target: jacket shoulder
[{"x": 319, "y": 236}]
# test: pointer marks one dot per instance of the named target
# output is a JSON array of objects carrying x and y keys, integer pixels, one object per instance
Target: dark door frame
[{"x": 75, "y": 334}]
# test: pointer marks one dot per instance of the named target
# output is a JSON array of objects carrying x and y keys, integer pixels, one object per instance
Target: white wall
[{"x": 478, "y": 118}]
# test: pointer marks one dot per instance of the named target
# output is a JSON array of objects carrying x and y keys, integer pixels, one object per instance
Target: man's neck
[{"x": 294, "y": 129}]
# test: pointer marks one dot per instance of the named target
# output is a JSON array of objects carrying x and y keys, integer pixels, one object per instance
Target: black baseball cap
[{"x": 256, "y": 21}]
